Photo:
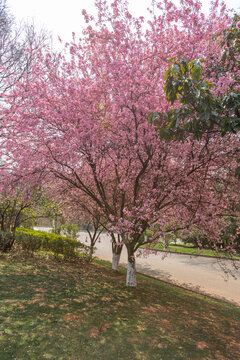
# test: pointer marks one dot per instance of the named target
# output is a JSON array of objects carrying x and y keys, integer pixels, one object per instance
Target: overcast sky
[{"x": 63, "y": 17}]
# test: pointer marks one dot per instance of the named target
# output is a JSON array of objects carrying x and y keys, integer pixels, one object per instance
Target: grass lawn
[
  {"x": 190, "y": 249},
  {"x": 65, "y": 311}
]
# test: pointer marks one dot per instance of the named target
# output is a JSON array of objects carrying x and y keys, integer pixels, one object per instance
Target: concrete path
[{"x": 201, "y": 274}]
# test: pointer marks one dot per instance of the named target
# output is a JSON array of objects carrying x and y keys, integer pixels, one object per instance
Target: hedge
[{"x": 31, "y": 240}]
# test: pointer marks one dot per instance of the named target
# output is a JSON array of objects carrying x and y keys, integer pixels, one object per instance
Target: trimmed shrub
[{"x": 31, "y": 240}]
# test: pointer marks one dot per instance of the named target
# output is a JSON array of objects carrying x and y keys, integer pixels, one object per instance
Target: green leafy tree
[{"x": 201, "y": 105}]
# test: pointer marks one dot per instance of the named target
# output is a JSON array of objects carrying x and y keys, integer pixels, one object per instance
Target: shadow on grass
[{"x": 52, "y": 310}]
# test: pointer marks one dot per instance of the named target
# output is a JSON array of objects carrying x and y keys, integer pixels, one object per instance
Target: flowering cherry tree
[{"x": 83, "y": 120}]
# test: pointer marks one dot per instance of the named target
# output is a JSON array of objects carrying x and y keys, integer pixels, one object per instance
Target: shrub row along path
[{"x": 198, "y": 273}]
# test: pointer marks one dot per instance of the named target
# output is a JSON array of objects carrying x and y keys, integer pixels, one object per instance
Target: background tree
[
  {"x": 79, "y": 208},
  {"x": 20, "y": 201},
  {"x": 15, "y": 45}
]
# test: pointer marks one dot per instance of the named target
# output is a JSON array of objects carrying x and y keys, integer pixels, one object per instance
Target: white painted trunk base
[
  {"x": 115, "y": 261},
  {"x": 131, "y": 274}
]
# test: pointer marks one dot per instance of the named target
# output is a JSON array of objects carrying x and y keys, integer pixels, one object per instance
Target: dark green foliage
[
  {"x": 231, "y": 232},
  {"x": 31, "y": 241},
  {"x": 6, "y": 240},
  {"x": 229, "y": 235},
  {"x": 199, "y": 109},
  {"x": 197, "y": 239}
]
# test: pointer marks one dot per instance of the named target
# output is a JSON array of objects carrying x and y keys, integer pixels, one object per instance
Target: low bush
[
  {"x": 231, "y": 233},
  {"x": 197, "y": 239},
  {"x": 31, "y": 241},
  {"x": 6, "y": 238}
]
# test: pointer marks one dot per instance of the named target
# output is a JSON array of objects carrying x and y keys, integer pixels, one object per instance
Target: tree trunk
[
  {"x": 131, "y": 274},
  {"x": 55, "y": 223},
  {"x": 164, "y": 242},
  {"x": 131, "y": 269},
  {"x": 115, "y": 261},
  {"x": 90, "y": 254},
  {"x": 116, "y": 254}
]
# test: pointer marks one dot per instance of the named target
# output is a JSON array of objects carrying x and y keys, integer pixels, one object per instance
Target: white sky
[{"x": 63, "y": 17}]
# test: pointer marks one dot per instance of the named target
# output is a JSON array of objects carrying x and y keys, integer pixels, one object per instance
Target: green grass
[
  {"x": 190, "y": 249},
  {"x": 66, "y": 311}
]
